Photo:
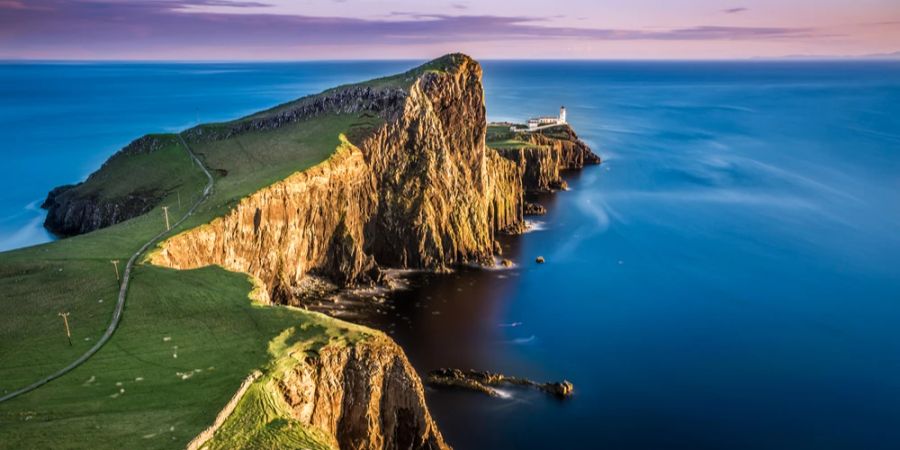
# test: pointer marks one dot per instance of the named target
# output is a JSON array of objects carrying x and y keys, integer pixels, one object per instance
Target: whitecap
[
  {"x": 534, "y": 225},
  {"x": 523, "y": 341}
]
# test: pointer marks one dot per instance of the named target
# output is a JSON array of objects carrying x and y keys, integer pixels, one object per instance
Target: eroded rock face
[
  {"x": 311, "y": 221},
  {"x": 422, "y": 191},
  {"x": 70, "y": 214},
  {"x": 365, "y": 396},
  {"x": 442, "y": 193},
  {"x": 555, "y": 149},
  {"x": 70, "y": 211}
]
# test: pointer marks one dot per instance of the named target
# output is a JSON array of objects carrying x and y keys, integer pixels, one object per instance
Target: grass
[
  {"x": 186, "y": 342},
  {"x": 399, "y": 81},
  {"x": 135, "y": 393},
  {"x": 160, "y": 171},
  {"x": 500, "y": 137},
  {"x": 255, "y": 160},
  {"x": 262, "y": 419}
]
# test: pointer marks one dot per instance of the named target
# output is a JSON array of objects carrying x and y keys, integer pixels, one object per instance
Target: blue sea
[{"x": 729, "y": 278}]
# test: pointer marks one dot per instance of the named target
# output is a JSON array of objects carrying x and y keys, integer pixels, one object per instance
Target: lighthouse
[{"x": 562, "y": 114}]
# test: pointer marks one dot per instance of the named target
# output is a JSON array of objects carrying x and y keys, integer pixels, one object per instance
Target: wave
[
  {"x": 523, "y": 341},
  {"x": 534, "y": 225}
]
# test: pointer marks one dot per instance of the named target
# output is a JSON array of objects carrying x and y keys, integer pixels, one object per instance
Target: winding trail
[{"x": 123, "y": 288}]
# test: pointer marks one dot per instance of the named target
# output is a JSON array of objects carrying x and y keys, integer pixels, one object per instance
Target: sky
[{"x": 407, "y": 29}]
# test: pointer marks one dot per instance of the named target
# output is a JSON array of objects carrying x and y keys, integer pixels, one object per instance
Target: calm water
[{"x": 728, "y": 279}]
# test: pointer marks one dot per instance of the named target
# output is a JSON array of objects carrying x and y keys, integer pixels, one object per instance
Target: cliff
[
  {"x": 544, "y": 154},
  {"x": 90, "y": 205},
  {"x": 366, "y": 396},
  {"x": 356, "y": 395},
  {"x": 409, "y": 183},
  {"x": 419, "y": 191}
]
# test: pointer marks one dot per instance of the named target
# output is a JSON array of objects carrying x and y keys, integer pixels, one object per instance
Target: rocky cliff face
[
  {"x": 76, "y": 209},
  {"x": 441, "y": 191},
  {"x": 550, "y": 151},
  {"x": 365, "y": 396},
  {"x": 421, "y": 191}
]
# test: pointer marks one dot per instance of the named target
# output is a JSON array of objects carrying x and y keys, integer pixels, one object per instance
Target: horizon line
[{"x": 799, "y": 58}]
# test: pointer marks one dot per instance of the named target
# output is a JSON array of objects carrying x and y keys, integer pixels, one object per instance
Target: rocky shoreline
[{"x": 422, "y": 191}]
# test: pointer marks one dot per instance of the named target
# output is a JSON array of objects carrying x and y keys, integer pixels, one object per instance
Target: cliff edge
[
  {"x": 359, "y": 394},
  {"x": 419, "y": 191}
]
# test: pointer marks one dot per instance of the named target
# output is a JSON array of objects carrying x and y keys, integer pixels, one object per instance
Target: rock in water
[
  {"x": 482, "y": 381},
  {"x": 562, "y": 388},
  {"x": 534, "y": 209},
  {"x": 539, "y": 260}
]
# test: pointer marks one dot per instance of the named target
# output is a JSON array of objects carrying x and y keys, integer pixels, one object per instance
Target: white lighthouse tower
[{"x": 562, "y": 114}]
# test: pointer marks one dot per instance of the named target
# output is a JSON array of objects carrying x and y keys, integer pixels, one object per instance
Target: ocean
[{"x": 728, "y": 278}]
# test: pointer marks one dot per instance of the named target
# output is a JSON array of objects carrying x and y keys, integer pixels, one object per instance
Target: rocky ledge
[
  {"x": 544, "y": 154},
  {"x": 78, "y": 208},
  {"x": 484, "y": 382},
  {"x": 422, "y": 191}
]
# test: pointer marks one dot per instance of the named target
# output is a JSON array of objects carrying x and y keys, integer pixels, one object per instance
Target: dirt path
[{"x": 123, "y": 288}]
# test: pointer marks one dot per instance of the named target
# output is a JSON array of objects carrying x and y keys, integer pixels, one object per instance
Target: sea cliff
[
  {"x": 348, "y": 395},
  {"x": 417, "y": 187},
  {"x": 420, "y": 191}
]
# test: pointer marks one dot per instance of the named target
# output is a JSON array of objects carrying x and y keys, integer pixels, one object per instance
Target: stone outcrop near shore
[
  {"x": 550, "y": 151},
  {"x": 421, "y": 190},
  {"x": 73, "y": 209},
  {"x": 484, "y": 382}
]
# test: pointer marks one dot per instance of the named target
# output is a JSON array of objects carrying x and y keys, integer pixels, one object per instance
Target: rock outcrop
[
  {"x": 483, "y": 381},
  {"x": 365, "y": 396},
  {"x": 534, "y": 209},
  {"x": 70, "y": 214},
  {"x": 77, "y": 209},
  {"x": 421, "y": 191},
  {"x": 549, "y": 152}
]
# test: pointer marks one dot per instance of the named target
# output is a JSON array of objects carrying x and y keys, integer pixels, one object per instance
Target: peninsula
[{"x": 397, "y": 172}]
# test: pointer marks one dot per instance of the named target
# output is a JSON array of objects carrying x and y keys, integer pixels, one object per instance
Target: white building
[{"x": 536, "y": 122}]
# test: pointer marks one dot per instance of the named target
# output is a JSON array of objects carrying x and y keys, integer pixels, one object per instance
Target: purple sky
[{"x": 350, "y": 29}]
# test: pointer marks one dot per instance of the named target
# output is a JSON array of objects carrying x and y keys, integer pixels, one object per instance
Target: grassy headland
[{"x": 187, "y": 339}]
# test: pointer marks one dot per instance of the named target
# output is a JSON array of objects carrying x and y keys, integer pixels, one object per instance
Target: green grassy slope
[
  {"x": 135, "y": 393},
  {"x": 262, "y": 419},
  {"x": 500, "y": 137}
]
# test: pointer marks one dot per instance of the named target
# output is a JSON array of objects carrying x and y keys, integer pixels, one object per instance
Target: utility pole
[
  {"x": 179, "y": 199},
  {"x": 115, "y": 264},
  {"x": 166, "y": 212},
  {"x": 65, "y": 317}
]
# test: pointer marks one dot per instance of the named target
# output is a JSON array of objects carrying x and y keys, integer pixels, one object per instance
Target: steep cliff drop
[
  {"x": 355, "y": 395},
  {"x": 544, "y": 154},
  {"x": 92, "y": 204},
  {"x": 420, "y": 191},
  {"x": 412, "y": 183}
]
